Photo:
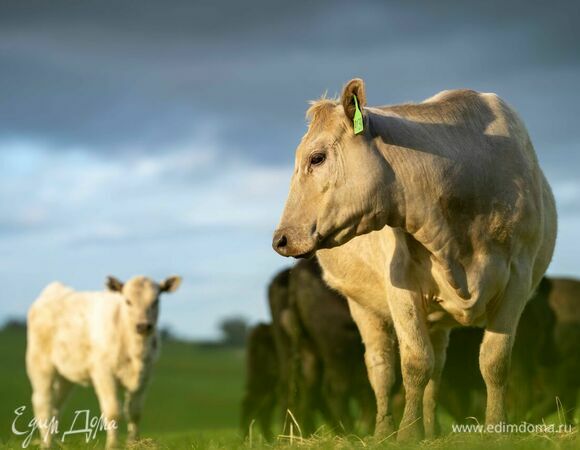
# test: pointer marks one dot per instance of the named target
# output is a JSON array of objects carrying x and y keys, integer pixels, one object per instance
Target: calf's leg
[
  {"x": 106, "y": 389},
  {"x": 379, "y": 339},
  {"x": 133, "y": 408},
  {"x": 61, "y": 388},
  {"x": 42, "y": 401},
  {"x": 42, "y": 374}
]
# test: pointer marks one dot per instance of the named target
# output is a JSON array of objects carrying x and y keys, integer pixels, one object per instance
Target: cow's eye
[{"x": 317, "y": 159}]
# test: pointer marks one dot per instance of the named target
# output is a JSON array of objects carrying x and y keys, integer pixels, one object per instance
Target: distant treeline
[{"x": 234, "y": 331}]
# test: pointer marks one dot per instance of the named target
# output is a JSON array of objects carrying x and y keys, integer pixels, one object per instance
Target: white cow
[
  {"x": 425, "y": 216},
  {"x": 107, "y": 339}
]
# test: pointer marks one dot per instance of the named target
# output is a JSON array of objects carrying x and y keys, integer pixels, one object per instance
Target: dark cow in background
[
  {"x": 268, "y": 397},
  {"x": 564, "y": 299},
  {"x": 325, "y": 327},
  {"x": 545, "y": 359},
  {"x": 280, "y": 313},
  {"x": 314, "y": 348},
  {"x": 323, "y": 358},
  {"x": 262, "y": 375}
]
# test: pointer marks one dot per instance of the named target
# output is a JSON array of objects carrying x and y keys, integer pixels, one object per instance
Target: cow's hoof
[
  {"x": 112, "y": 445},
  {"x": 432, "y": 430},
  {"x": 410, "y": 433},
  {"x": 384, "y": 429}
]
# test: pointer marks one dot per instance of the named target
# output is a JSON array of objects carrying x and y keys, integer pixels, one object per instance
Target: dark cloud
[
  {"x": 124, "y": 75},
  {"x": 142, "y": 136}
]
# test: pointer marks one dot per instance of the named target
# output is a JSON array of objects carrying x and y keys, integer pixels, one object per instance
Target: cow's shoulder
[
  {"x": 452, "y": 96},
  {"x": 56, "y": 289},
  {"x": 50, "y": 298},
  {"x": 448, "y": 106}
]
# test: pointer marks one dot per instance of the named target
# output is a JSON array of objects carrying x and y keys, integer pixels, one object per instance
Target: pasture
[
  {"x": 195, "y": 393},
  {"x": 194, "y": 402},
  {"x": 216, "y": 142}
]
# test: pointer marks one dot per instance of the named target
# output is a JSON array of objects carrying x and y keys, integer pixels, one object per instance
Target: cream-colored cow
[
  {"x": 427, "y": 216},
  {"x": 107, "y": 339}
]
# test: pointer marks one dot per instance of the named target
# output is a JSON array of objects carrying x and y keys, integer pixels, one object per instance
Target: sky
[{"x": 157, "y": 138}]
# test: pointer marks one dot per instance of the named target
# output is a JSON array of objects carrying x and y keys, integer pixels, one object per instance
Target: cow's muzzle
[
  {"x": 144, "y": 328},
  {"x": 287, "y": 243}
]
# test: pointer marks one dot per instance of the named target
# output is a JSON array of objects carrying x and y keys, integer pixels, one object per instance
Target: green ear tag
[{"x": 357, "y": 119}]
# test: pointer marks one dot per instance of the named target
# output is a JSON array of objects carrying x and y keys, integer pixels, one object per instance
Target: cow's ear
[
  {"x": 113, "y": 284},
  {"x": 170, "y": 284},
  {"x": 356, "y": 86}
]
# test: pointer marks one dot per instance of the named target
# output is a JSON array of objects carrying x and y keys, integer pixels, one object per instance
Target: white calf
[{"x": 107, "y": 339}]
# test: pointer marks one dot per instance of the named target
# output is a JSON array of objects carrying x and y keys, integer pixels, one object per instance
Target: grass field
[{"x": 194, "y": 402}]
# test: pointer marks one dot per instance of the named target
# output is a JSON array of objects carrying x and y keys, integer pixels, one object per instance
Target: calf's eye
[
  {"x": 128, "y": 302},
  {"x": 317, "y": 159}
]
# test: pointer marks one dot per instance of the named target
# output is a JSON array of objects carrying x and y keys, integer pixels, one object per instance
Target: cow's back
[
  {"x": 564, "y": 299},
  {"x": 68, "y": 329},
  {"x": 480, "y": 204},
  {"x": 45, "y": 314}
]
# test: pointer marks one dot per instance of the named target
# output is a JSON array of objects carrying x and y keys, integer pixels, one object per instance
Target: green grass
[
  {"x": 192, "y": 389},
  {"x": 193, "y": 403}
]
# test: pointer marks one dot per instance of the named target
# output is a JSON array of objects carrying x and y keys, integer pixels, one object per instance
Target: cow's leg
[
  {"x": 496, "y": 348},
  {"x": 566, "y": 381},
  {"x": 42, "y": 379},
  {"x": 290, "y": 362},
  {"x": 417, "y": 359},
  {"x": 379, "y": 338},
  {"x": 439, "y": 340},
  {"x": 258, "y": 405},
  {"x": 250, "y": 404},
  {"x": 265, "y": 416},
  {"x": 494, "y": 359},
  {"x": 106, "y": 390},
  {"x": 308, "y": 390},
  {"x": 368, "y": 408},
  {"x": 61, "y": 388},
  {"x": 336, "y": 395},
  {"x": 133, "y": 408},
  {"x": 41, "y": 373}
]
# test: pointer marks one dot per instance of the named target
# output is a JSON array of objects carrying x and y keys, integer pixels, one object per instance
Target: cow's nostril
[
  {"x": 144, "y": 327},
  {"x": 282, "y": 242}
]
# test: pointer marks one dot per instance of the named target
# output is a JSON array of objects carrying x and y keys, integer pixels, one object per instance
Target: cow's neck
[{"x": 414, "y": 197}]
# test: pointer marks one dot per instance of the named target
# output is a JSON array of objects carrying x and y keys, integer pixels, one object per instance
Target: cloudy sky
[{"x": 157, "y": 137}]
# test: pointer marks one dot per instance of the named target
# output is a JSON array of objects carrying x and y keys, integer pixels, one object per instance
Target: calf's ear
[
  {"x": 113, "y": 284},
  {"x": 170, "y": 284},
  {"x": 356, "y": 86}
]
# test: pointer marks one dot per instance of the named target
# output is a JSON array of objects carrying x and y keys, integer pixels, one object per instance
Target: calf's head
[
  {"x": 339, "y": 175},
  {"x": 141, "y": 300}
]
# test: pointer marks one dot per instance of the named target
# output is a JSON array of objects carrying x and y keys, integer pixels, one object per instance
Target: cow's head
[
  {"x": 141, "y": 300},
  {"x": 338, "y": 181}
]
